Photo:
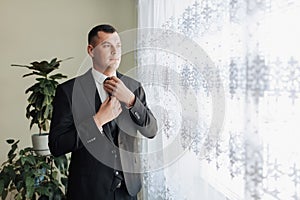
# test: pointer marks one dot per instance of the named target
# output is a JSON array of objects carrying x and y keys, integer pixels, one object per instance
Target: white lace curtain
[{"x": 244, "y": 73}]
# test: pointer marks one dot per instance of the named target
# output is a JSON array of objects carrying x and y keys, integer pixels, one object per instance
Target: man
[{"x": 96, "y": 116}]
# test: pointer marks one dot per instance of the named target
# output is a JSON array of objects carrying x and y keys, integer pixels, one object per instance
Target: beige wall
[{"x": 39, "y": 29}]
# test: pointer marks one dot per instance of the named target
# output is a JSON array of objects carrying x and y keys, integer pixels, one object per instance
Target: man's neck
[{"x": 108, "y": 72}]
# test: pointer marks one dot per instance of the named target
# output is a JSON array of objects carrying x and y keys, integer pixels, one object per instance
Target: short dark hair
[{"x": 103, "y": 27}]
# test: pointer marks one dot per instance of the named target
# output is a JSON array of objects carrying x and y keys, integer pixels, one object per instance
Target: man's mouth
[{"x": 114, "y": 59}]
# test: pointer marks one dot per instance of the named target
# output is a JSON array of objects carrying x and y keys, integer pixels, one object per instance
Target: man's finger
[
  {"x": 110, "y": 82},
  {"x": 106, "y": 100},
  {"x": 114, "y": 78},
  {"x": 109, "y": 87}
]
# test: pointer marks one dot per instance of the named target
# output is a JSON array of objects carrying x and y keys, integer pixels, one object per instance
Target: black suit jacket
[{"x": 94, "y": 157}]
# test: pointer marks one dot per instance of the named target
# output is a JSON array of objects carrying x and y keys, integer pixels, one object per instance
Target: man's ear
[{"x": 90, "y": 50}]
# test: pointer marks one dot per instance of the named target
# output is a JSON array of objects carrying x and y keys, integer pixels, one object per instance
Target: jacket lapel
[{"x": 89, "y": 89}]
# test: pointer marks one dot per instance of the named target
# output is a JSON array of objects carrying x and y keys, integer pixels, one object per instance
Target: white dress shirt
[{"x": 99, "y": 79}]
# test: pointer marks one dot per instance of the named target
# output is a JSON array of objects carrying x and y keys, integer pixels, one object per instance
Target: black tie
[
  {"x": 112, "y": 124},
  {"x": 114, "y": 129}
]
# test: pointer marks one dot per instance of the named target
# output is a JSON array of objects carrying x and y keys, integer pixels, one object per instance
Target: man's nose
[{"x": 113, "y": 50}]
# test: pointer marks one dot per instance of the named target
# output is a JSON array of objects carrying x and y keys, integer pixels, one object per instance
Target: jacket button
[{"x": 137, "y": 115}]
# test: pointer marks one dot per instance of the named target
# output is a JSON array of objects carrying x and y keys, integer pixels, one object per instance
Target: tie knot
[{"x": 108, "y": 78}]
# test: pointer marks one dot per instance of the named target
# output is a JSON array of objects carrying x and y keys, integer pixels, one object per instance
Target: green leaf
[
  {"x": 50, "y": 111},
  {"x": 28, "y": 160},
  {"x": 35, "y": 88},
  {"x": 11, "y": 157},
  {"x": 54, "y": 83},
  {"x": 54, "y": 174},
  {"x": 33, "y": 73},
  {"x": 29, "y": 187},
  {"x": 4, "y": 194},
  {"x": 57, "y": 76},
  {"x": 40, "y": 117},
  {"x": 53, "y": 61},
  {"x": 46, "y": 125},
  {"x": 46, "y": 190},
  {"x": 13, "y": 149},
  {"x": 37, "y": 65},
  {"x": 61, "y": 162},
  {"x": 32, "y": 98},
  {"x": 6, "y": 179},
  {"x": 11, "y": 154},
  {"x": 47, "y": 100},
  {"x": 19, "y": 183},
  {"x": 64, "y": 181},
  {"x": 23, "y": 160},
  {"x": 55, "y": 181},
  {"x": 9, "y": 175},
  {"x": 39, "y": 102},
  {"x": 58, "y": 195},
  {"x": 1, "y": 185},
  {"x": 33, "y": 115},
  {"x": 40, "y": 190},
  {"x": 19, "y": 196},
  {"x": 46, "y": 166},
  {"x": 31, "y": 159},
  {"x": 28, "y": 111},
  {"x": 33, "y": 121},
  {"x": 43, "y": 83},
  {"x": 26, "y": 66},
  {"x": 44, "y": 67},
  {"x": 47, "y": 111},
  {"x": 10, "y": 141},
  {"x": 47, "y": 90},
  {"x": 27, "y": 168},
  {"x": 21, "y": 152},
  {"x": 28, "y": 149}
]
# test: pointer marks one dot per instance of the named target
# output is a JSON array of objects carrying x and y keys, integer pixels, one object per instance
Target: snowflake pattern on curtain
[{"x": 256, "y": 76}]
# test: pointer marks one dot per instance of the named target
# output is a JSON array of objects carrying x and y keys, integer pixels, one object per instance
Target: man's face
[{"x": 106, "y": 51}]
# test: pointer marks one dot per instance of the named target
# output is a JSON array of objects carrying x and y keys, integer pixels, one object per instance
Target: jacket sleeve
[
  {"x": 63, "y": 135},
  {"x": 142, "y": 115}
]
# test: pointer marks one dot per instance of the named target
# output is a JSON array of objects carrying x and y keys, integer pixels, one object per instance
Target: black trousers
[
  {"x": 118, "y": 194},
  {"x": 122, "y": 194}
]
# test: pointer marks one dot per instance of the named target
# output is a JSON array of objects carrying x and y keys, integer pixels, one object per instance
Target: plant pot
[{"x": 40, "y": 144}]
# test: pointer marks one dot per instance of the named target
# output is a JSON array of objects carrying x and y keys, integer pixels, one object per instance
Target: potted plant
[
  {"x": 42, "y": 92},
  {"x": 26, "y": 175}
]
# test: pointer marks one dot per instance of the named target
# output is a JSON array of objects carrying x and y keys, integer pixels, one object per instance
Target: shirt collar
[{"x": 98, "y": 76}]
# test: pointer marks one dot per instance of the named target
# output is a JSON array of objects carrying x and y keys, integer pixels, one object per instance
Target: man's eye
[{"x": 106, "y": 45}]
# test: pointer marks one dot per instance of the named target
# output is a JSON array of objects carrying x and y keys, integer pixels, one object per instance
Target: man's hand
[
  {"x": 109, "y": 110},
  {"x": 116, "y": 88}
]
